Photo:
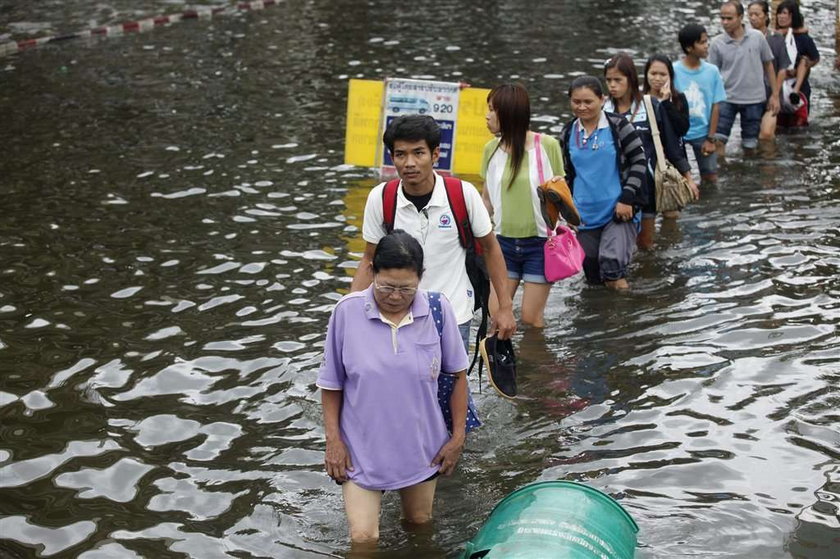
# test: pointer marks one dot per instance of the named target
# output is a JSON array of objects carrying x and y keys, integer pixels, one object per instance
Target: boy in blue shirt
[{"x": 702, "y": 85}]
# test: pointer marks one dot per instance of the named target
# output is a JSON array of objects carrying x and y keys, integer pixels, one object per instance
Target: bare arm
[
  {"x": 364, "y": 273},
  {"x": 337, "y": 459},
  {"x": 775, "y": 85},
  {"x": 713, "y": 123},
  {"x": 458, "y": 405},
  {"x": 801, "y": 73},
  {"x": 495, "y": 261},
  {"x": 450, "y": 453},
  {"x": 695, "y": 190},
  {"x": 713, "y": 120}
]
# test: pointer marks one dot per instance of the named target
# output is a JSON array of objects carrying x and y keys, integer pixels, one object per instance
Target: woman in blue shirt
[{"x": 605, "y": 169}]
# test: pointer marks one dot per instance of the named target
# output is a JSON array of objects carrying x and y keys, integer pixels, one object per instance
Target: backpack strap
[
  {"x": 455, "y": 196},
  {"x": 437, "y": 311},
  {"x": 389, "y": 204}
]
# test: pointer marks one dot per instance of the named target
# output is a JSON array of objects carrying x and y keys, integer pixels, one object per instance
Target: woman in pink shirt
[{"x": 384, "y": 425}]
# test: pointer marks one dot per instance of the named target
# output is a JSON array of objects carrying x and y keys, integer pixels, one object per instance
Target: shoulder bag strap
[
  {"x": 437, "y": 311},
  {"x": 540, "y": 172},
  {"x": 654, "y": 129}
]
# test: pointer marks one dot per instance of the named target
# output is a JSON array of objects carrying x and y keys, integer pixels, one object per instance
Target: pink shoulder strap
[{"x": 540, "y": 172}]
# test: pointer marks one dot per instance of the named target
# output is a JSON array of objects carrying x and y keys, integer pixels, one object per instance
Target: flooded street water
[{"x": 178, "y": 223}]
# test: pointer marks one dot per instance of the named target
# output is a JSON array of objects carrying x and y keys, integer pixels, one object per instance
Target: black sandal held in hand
[{"x": 500, "y": 360}]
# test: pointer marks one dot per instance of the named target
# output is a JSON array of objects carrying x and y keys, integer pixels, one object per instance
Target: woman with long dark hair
[
  {"x": 625, "y": 99},
  {"x": 513, "y": 166},
  {"x": 658, "y": 82},
  {"x": 673, "y": 107},
  {"x": 624, "y": 95}
]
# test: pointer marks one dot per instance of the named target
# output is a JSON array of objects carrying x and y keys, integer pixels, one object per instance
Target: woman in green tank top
[{"x": 513, "y": 166}]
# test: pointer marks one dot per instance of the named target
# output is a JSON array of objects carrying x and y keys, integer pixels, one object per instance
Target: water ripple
[
  {"x": 117, "y": 483},
  {"x": 49, "y": 541},
  {"x": 16, "y": 474}
]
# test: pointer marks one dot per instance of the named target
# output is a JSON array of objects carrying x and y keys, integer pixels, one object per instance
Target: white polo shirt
[{"x": 435, "y": 228}]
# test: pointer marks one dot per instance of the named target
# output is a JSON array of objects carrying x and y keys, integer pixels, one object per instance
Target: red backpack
[{"x": 476, "y": 268}]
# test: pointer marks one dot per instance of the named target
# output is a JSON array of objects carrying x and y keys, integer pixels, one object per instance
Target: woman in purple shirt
[{"x": 379, "y": 389}]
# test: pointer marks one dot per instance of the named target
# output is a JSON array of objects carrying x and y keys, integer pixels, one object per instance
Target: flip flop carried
[{"x": 556, "y": 201}]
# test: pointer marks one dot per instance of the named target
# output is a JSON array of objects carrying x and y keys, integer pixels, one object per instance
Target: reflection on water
[{"x": 178, "y": 224}]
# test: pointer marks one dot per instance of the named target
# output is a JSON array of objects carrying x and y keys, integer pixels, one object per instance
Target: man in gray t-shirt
[{"x": 744, "y": 58}]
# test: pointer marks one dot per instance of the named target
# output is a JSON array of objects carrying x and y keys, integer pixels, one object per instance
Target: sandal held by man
[{"x": 500, "y": 360}]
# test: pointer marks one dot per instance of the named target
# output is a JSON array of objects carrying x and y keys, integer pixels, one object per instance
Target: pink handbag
[
  {"x": 563, "y": 254},
  {"x": 562, "y": 251}
]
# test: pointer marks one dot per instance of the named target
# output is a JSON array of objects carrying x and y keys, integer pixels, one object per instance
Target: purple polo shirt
[{"x": 390, "y": 418}]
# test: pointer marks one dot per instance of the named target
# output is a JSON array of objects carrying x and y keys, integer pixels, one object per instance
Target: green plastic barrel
[{"x": 556, "y": 520}]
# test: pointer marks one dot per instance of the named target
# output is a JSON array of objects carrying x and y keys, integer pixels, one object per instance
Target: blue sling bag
[{"x": 446, "y": 383}]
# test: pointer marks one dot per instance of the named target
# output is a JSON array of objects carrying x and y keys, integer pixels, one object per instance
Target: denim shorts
[
  {"x": 751, "y": 114},
  {"x": 524, "y": 258},
  {"x": 706, "y": 163}
]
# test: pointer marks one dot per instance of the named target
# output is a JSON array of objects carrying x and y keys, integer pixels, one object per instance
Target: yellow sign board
[
  {"x": 364, "y": 111},
  {"x": 362, "y": 141},
  {"x": 471, "y": 132}
]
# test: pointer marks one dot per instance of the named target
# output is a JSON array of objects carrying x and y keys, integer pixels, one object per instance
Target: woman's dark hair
[
  {"x": 589, "y": 82},
  {"x": 676, "y": 98},
  {"x": 513, "y": 109},
  {"x": 412, "y": 128},
  {"x": 398, "y": 250},
  {"x": 796, "y": 19},
  {"x": 765, "y": 7},
  {"x": 624, "y": 64},
  {"x": 690, "y": 34}
]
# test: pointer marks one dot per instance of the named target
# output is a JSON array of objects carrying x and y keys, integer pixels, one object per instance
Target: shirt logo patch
[
  {"x": 445, "y": 222},
  {"x": 434, "y": 369}
]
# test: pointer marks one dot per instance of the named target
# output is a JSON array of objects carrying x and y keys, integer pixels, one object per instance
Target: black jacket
[{"x": 678, "y": 117}]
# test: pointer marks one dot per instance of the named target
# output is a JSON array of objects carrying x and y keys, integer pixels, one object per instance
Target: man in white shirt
[{"x": 422, "y": 209}]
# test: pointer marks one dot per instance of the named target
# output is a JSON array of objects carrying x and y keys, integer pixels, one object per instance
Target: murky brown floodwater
[{"x": 177, "y": 224}]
